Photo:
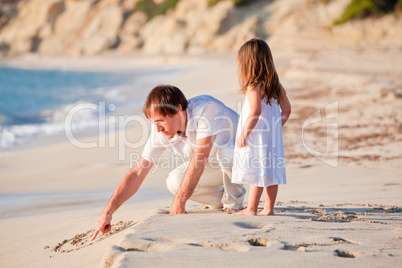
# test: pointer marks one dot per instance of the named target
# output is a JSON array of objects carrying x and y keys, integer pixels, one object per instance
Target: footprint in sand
[
  {"x": 258, "y": 242},
  {"x": 337, "y": 217},
  {"x": 227, "y": 246},
  {"x": 252, "y": 225},
  {"x": 339, "y": 240},
  {"x": 345, "y": 254},
  {"x": 144, "y": 246},
  {"x": 302, "y": 247},
  {"x": 172, "y": 240},
  {"x": 161, "y": 244}
]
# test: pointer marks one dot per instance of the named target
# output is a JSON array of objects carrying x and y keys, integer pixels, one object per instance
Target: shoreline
[
  {"x": 128, "y": 101},
  {"x": 110, "y": 61},
  {"x": 31, "y": 204}
]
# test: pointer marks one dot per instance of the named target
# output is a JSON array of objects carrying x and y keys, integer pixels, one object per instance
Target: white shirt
[{"x": 206, "y": 116}]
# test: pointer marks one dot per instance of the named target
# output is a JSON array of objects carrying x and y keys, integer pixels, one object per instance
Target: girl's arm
[
  {"x": 254, "y": 99},
  {"x": 286, "y": 109}
]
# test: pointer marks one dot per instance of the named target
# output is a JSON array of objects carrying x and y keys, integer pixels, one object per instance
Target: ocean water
[{"x": 35, "y": 102}]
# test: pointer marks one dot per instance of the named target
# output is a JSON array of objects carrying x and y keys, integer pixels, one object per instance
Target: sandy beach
[{"x": 342, "y": 205}]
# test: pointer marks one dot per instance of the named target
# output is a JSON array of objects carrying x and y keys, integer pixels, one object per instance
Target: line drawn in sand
[{"x": 80, "y": 241}]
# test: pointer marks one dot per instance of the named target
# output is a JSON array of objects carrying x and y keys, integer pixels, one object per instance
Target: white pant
[{"x": 215, "y": 186}]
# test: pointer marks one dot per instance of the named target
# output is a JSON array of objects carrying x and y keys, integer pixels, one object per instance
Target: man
[{"x": 201, "y": 130}]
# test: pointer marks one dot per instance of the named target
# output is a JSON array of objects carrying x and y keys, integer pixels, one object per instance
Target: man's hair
[{"x": 165, "y": 100}]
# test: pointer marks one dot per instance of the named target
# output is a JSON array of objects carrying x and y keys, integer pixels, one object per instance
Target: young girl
[{"x": 258, "y": 157}]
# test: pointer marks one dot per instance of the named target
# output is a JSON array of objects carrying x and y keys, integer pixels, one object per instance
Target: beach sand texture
[
  {"x": 343, "y": 209},
  {"x": 301, "y": 232}
]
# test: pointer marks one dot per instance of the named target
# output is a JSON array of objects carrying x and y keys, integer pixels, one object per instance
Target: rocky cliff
[{"x": 87, "y": 27}]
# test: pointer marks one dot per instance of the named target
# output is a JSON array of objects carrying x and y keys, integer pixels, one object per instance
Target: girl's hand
[{"x": 241, "y": 141}]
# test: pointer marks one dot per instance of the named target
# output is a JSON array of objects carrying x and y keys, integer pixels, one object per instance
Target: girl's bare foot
[
  {"x": 266, "y": 212},
  {"x": 246, "y": 211}
]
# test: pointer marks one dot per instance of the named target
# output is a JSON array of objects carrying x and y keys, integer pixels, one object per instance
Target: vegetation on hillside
[
  {"x": 152, "y": 9},
  {"x": 360, "y": 9},
  {"x": 357, "y": 9},
  {"x": 236, "y": 2}
]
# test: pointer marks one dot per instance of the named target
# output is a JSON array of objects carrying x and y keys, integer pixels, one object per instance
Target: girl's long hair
[{"x": 256, "y": 66}]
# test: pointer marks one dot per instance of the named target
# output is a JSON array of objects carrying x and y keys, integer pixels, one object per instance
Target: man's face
[{"x": 169, "y": 125}]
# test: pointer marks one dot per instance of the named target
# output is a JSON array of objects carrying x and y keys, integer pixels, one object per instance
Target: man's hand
[
  {"x": 102, "y": 225},
  {"x": 194, "y": 170},
  {"x": 126, "y": 189},
  {"x": 177, "y": 208}
]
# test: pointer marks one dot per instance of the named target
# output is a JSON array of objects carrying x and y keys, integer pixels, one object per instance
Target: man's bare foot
[
  {"x": 266, "y": 212},
  {"x": 219, "y": 207},
  {"x": 246, "y": 211},
  {"x": 230, "y": 210}
]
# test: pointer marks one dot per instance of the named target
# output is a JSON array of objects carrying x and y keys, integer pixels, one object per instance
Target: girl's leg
[
  {"x": 253, "y": 201},
  {"x": 271, "y": 192}
]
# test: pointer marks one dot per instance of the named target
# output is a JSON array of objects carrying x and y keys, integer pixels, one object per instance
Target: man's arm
[
  {"x": 196, "y": 167},
  {"x": 126, "y": 189}
]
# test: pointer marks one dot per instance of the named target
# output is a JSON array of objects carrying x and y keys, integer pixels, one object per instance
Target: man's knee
[{"x": 174, "y": 180}]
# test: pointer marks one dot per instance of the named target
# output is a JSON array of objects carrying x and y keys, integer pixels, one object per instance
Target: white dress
[{"x": 261, "y": 162}]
